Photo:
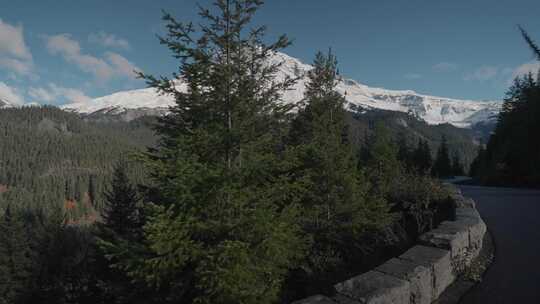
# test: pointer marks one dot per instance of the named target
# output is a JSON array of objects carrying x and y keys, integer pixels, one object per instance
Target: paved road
[{"x": 513, "y": 217}]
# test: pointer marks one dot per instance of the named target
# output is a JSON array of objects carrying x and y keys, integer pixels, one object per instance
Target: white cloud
[
  {"x": 70, "y": 49},
  {"x": 63, "y": 44},
  {"x": 526, "y": 68},
  {"x": 122, "y": 65},
  {"x": 15, "y": 56},
  {"x": 41, "y": 95},
  {"x": 10, "y": 94},
  {"x": 483, "y": 73},
  {"x": 18, "y": 66},
  {"x": 109, "y": 40},
  {"x": 71, "y": 95},
  {"x": 12, "y": 41},
  {"x": 115, "y": 65},
  {"x": 412, "y": 76},
  {"x": 53, "y": 92},
  {"x": 445, "y": 67}
]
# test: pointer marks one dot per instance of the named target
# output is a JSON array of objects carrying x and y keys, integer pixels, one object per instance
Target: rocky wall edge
[{"x": 422, "y": 273}]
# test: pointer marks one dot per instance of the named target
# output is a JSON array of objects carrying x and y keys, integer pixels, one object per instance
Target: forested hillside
[{"x": 52, "y": 158}]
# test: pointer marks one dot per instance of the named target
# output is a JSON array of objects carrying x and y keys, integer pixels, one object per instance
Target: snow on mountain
[
  {"x": 117, "y": 102},
  {"x": 5, "y": 104},
  {"x": 433, "y": 110}
]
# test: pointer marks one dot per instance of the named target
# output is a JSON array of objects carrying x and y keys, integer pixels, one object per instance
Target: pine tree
[
  {"x": 219, "y": 232},
  {"x": 477, "y": 167},
  {"x": 92, "y": 189},
  {"x": 427, "y": 158},
  {"x": 121, "y": 213},
  {"x": 336, "y": 207},
  {"x": 422, "y": 157},
  {"x": 122, "y": 222},
  {"x": 383, "y": 165},
  {"x": 442, "y": 166},
  {"x": 15, "y": 258},
  {"x": 532, "y": 45},
  {"x": 457, "y": 166},
  {"x": 404, "y": 154}
]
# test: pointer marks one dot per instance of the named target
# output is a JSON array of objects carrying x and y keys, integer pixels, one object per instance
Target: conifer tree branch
[{"x": 534, "y": 47}]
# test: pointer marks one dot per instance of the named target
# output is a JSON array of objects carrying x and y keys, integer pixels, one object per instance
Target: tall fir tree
[
  {"x": 404, "y": 154},
  {"x": 219, "y": 232},
  {"x": 121, "y": 214},
  {"x": 478, "y": 164},
  {"x": 457, "y": 166},
  {"x": 427, "y": 158},
  {"x": 122, "y": 223},
  {"x": 334, "y": 194},
  {"x": 422, "y": 157},
  {"x": 383, "y": 163},
  {"x": 442, "y": 166}
]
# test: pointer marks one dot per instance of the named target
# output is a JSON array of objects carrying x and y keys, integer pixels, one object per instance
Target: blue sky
[{"x": 64, "y": 50}]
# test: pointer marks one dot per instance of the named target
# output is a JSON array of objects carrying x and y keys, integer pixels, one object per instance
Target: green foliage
[
  {"x": 422, "y": 159},
  {"x": 122, "y": 221},
  {"x": 220, "y": 233},
  {"x": 65, "y": 265},
  {"x": 121, "y": 213},
  {"x": 54, "y": 166},
  {"x": 457, "y": 166},
  {"x": 512, "y": 155},
  {"x": 43, "y": 260},
  {"x": 443, "y": 165},
  {"x": 419, "y": 202},
  {"x": 406, "y": 128},
  {"x": 416, "y": 201},
  {"x": 417, "y": 160},
  {"x": 333, "y": 193},
  {"x": 383, "y": 164},
  {"x": 404, "y": 152},
  {"x": 479, "y": 163},
  {"x": 15, "y": 259},
  {"x": 50, "y": 158}
]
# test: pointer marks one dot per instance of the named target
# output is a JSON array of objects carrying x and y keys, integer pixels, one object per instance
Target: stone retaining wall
[{"x": 420, "y": 275}]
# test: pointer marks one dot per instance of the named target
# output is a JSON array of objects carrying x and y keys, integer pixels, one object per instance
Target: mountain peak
[
  {"x": 4, "y": 103},
  {"x": 432, "y": 109}
]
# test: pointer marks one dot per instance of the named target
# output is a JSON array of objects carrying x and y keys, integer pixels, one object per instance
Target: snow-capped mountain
[
  {"x": 5, "y": 104},
  {"x": 433, "y": 110}
]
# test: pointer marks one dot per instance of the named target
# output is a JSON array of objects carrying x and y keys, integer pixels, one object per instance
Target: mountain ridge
[
  {"x": 4, "y": 103},
  {"x": 433, "y": 110}
]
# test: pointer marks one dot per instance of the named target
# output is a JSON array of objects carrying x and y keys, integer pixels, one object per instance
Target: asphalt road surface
[{"x": 513, "y": 218}]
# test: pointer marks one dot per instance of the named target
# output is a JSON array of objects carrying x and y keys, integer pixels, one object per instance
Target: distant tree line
[{"x": 421, "y": 160}]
